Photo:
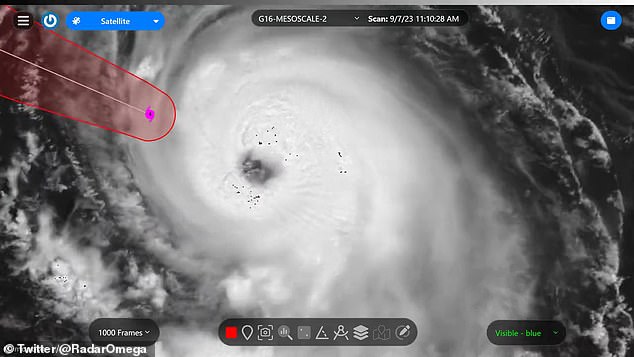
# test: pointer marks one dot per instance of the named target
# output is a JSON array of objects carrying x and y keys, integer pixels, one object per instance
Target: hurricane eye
[{"x": 258, "y": 171}]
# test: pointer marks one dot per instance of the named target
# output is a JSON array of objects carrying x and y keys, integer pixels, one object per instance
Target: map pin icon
[{"x": 247, "y": 332}]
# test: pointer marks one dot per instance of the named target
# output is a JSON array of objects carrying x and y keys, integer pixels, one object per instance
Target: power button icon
[{"x": 50, "y": 20}]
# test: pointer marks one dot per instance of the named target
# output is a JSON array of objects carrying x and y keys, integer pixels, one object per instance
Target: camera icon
[{"x": 265, "y": 332}]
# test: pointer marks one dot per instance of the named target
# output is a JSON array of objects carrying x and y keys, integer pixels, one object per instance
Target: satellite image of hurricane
[{"x": 450, "y": 175}]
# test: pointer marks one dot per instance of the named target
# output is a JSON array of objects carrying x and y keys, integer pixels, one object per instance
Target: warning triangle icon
[{"x": 321, "y": 334}]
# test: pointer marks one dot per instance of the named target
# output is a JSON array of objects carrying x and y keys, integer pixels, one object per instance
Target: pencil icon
[{"x": 404, "y": 331}]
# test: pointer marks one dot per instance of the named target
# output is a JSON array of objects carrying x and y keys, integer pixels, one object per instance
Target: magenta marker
[{"x": 149, "y": 114}]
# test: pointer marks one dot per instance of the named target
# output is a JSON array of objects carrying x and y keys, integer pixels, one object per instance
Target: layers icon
[{"x": 360, "y": 332}]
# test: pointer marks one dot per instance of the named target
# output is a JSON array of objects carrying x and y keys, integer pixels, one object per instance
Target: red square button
[{"x": 231, "y": 332}]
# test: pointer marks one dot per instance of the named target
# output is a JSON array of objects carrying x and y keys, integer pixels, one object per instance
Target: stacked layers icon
[{"x": 360, "y": 332}]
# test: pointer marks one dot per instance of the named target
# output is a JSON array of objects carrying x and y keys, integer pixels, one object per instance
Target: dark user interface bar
[
  {"x": 347, "y": 18},
  {"x": 318, "y": 332},
  {"x": 526, "y": 332}
]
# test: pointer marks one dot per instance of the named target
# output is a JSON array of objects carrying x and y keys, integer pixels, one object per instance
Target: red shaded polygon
[{"x": 121, "y": 106}]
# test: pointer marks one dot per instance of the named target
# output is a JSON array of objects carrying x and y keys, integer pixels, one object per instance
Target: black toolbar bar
[
  {"x": 360, "y": 18},
  {"x": 318, "y": 332}
]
